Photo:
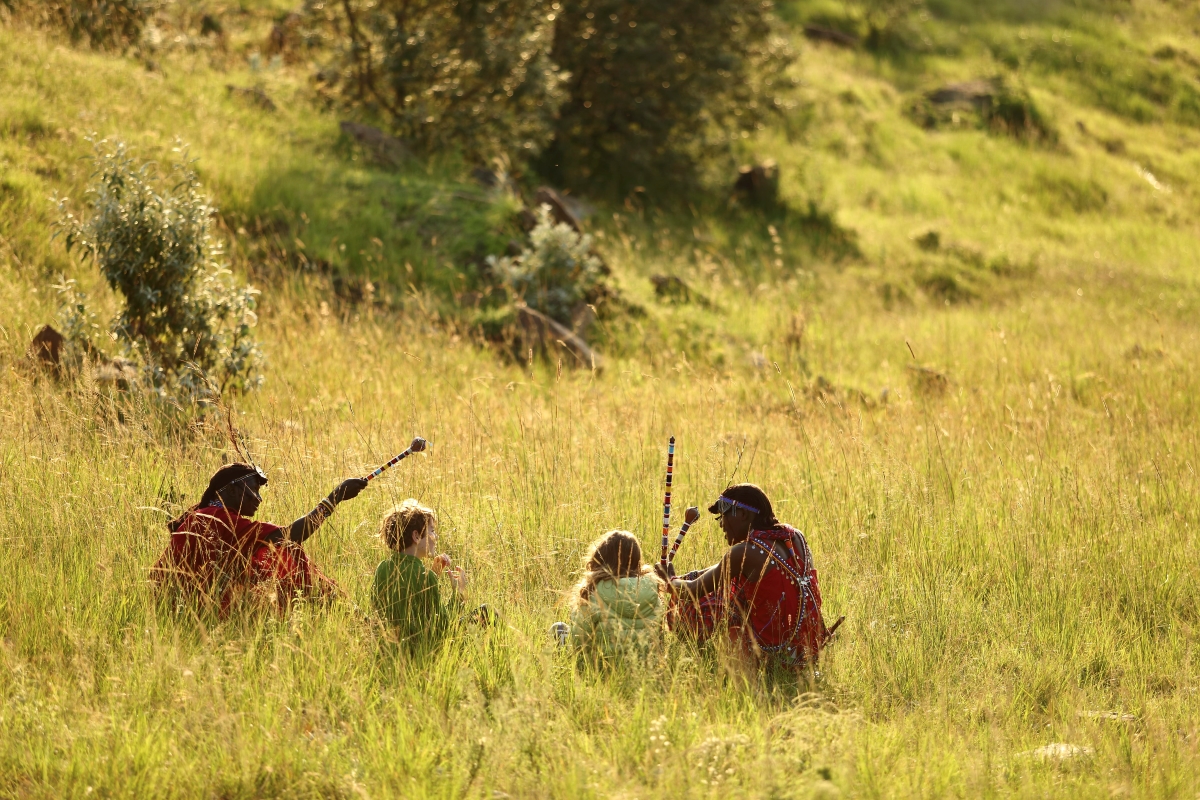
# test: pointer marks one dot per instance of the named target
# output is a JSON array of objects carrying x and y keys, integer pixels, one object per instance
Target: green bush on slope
[
  {"x": 185, "y": 319},
  {"x": 620, "y": 94},
  {"x": 556, "y": 273}
]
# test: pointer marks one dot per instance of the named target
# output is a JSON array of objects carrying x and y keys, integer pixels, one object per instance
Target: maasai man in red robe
[
  {"x": 217, "y": 552},
  {"x": 763, "y": 591}
]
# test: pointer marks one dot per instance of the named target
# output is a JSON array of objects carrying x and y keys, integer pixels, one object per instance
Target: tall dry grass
[
  {"x": 1013, "y": 554},
  {"x": 1014, "y": 548}
]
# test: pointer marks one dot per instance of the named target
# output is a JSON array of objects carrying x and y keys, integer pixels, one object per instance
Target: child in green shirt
[{"x": 405, "y": 592}]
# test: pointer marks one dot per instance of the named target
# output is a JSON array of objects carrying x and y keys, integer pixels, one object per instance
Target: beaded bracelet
[{"x": 323, "y": 510}]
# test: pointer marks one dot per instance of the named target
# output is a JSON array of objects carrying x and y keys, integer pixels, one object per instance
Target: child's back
[
  {"x": 615, "y": 609},
  {"x": 406, "y": 595},
  {"x": 619, "y": 618}
]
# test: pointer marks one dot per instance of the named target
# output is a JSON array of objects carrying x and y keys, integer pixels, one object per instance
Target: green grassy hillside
[{"x": 1011, "y": 542}]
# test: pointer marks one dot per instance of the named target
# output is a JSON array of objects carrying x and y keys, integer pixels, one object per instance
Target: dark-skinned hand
[
  {"x": 666, "y": 574},
  {"x": 348, "y": 489}
]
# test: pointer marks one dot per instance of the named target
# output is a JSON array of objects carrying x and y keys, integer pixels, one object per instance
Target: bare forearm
[
  {"x": 705, "y": 583},
  {"x": 733, "y": 564},
  {"x": 307, "y": 525},
  {"x": 304, "y": 527}
]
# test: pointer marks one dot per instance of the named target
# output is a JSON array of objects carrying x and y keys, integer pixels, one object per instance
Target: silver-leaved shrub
[
  {"x": 556, "y": 273},
  {"x": 186, "y": 322}
]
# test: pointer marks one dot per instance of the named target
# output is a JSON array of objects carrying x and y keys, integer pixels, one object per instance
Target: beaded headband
[
  {"x": 257, "y": 475},
  {"x": 725, "y": 505}
]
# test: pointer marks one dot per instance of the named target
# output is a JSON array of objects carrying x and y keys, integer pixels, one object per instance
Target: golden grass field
[{"x": 1014, "y": 550}]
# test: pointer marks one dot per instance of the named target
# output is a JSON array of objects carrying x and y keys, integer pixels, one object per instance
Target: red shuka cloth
[
  {"x": 215, "y": 555},
  {"x": 780, "y": 613}
]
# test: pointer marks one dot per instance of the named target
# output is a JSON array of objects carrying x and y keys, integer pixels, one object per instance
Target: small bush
[
  {"x": 101, "y": 23},
  {"x": 889, "y": 30},
  {"x": 947, "y": 287},
  {"x": 824, "y": 234},
  {"x": 930, "y": 241},
  {"x": 185, "y": 321},
  {"x": 77, "y": 322},
  {"x": 557, "y": 274},
  {"x": 1013, "y": 112},
  {"x": 495, "y": 323}
]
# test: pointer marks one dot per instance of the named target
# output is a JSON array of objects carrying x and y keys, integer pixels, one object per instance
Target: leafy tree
[
  {"x": 658, "y": 87},
  {"x": 185, "y": 319},
  {"x": 472, "y": 73}
]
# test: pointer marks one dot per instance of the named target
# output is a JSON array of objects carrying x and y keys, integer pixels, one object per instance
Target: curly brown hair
[{"x": 401, "y": 525}]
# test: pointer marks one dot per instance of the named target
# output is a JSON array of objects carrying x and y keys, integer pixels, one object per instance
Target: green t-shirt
[{"x": 406, "y": 595}]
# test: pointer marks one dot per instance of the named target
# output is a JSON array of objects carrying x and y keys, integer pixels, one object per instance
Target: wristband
[{"x": 323, "y": 510}]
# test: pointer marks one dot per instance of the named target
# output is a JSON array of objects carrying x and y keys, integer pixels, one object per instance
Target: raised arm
[{"x": 307, "y": 525}]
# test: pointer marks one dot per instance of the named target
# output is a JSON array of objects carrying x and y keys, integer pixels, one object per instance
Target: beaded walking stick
[
  {"x": 667, "y": 503},
  {"x": 689, "y": 518},
  {"x": 418, "y": 444}
]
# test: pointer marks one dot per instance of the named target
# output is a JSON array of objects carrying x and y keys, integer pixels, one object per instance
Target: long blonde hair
[{"x": 616, "y": 554}]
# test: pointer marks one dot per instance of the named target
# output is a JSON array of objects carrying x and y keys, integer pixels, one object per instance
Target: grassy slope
[{"x": 1013, "y": 555}]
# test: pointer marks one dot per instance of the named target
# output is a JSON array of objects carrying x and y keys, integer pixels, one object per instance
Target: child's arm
[
  {"x": 584, "y": 621},
  {"x": 439, "y": 612},
  {"x": 441, "y": 566}
]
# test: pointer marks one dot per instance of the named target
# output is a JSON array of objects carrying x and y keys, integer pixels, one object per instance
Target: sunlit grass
[
  {"x": 1014, "y": 553},
  {"x": 1013, "y": 556}
]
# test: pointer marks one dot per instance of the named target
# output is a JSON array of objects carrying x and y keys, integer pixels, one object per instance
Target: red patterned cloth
[
  {"x": 216, "y": 555},
  {"x": 778, "y": 614}
]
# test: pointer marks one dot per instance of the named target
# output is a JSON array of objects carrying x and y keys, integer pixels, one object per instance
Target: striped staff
[
  {"x": 418, "y": 444},
  {"x": 689, "y": 519},
  {"x": 667, "y": 503}
]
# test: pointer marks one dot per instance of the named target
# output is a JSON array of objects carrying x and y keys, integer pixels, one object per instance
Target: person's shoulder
[
  {"x": 242, "y": 526},
  {"x": 203, "y": 517},
  {"x": 747, "y": 555},
  {"x": 637, "y": 584},
  {"x": 740, "y": 549},
  {"x": 645, "y": 590},
  {"x": 608, "y": 591},
  {"x": 260, "y": 528},
  {"x": 394, "y": 567},
  {"x": 217, "y": 522}
]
